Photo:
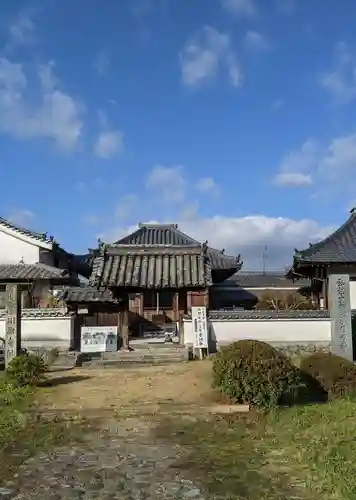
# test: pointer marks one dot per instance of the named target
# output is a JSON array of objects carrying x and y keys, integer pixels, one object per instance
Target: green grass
[
  {"x": 298, "y": 453},
  {"x": 23, "y": 432}
]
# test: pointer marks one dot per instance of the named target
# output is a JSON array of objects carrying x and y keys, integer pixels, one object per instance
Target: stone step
[
  {"x": 129, "y": 363},
  {"x": 144, "y": 352},
  {"x": 156, "y": 345}
]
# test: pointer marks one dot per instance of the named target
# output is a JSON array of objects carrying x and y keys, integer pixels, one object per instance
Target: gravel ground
[{"x": 120, "y": 462}]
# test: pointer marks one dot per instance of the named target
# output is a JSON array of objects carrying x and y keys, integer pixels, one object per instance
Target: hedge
[
  {"x": 255, "y": 373},
  {"x": 335, "y": 374}
]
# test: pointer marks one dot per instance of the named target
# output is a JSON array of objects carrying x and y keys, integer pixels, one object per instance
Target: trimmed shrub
[
  {"x": 255, "y": 373},
  {"x": 335, "y": 374},
  {"x": 26, "y": 369}
]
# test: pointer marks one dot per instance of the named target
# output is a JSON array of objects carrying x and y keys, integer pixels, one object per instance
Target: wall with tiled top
[
  {"x": 45, "y": 328},
  {"x": 296, "y": 331}
]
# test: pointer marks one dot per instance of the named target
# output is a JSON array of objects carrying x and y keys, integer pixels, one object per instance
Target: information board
[{"x": 98, "y": 339}]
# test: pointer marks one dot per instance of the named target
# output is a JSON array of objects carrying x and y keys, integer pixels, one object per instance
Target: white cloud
[
  {"x": 254, "y": 40},
  {"x": 340, "y": 81},
  {"x": 168, "y": 183},
  {"x": 293, "y": 179},
  {"x": 21, "y": 217},
  {"x": 56, "y": 115},
  {"x": 108, "y": 144},
  {"x": 339, "y": 157},
  {"x": 248, "y": 236},
  {"x": 22, "y": 30},
  {"x": 102, "y": 62},
  {"x": 286, "y": 6},
  {"x": 240, "y": 8},
  {"x": 126, "y": 206},
  {"x": 91, "y": 220},
  {"x": 207, "y": 185},
  {"x": 297, "y": 167},
  {"x": 331, "y": 165},
  {"x": 203, "y": 56}
]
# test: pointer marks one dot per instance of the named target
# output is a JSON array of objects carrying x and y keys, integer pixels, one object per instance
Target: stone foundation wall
[{"x": 291, "y": 349}]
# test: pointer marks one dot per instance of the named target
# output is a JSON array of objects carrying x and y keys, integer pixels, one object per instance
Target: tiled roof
[
  {"x": 169, "y": 234},
  {"x": 257, "y": 279},
  {"x": 157, "y": 234},
  {"x": 41, "y": 237},
  {"x": 339, "y": 247},
  {"x": 87, "y": 294},
  {"x": 31, "y": 272},
  {"x": 151, "y": 267}
]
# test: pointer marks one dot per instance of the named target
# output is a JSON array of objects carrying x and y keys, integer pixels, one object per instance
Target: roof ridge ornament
[{"x": 353, "y": 211}]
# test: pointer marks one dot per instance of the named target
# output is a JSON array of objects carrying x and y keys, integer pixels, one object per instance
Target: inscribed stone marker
[
  {"x": 13, "y": 322},
  {"x": 340, "y": 311}
]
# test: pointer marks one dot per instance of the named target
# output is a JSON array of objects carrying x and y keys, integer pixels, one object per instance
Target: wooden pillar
[
  {"x": 176, "y": 306},
  {"x": 189, "y": 300},
  {"x": 124, "y": 324},
  {"x": 13, "y": 322},
  {"x": 324, "y": 302},
  {"x": 141, "y": 308}
]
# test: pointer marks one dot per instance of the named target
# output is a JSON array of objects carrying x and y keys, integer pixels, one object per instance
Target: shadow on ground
[{"x": 70, "y": 379}]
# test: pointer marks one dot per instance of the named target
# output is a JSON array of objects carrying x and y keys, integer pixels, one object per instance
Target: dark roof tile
[
  {"x": 151, "y": 267},
  {"x": 157, "y": 234},
  {"x": 31, "y": 272},
  {"x": 256, "y": 279},
  {"x": 169, "y": 234},
  {"x": 85, "y": 294},
  {"x": 339, "y": 247}
]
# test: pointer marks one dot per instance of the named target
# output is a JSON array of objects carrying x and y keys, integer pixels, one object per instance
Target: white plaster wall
[
  {"x": 12, "y": 250},
  {"x": 285, "y": 331},
  {"x": 353, "y": 294},
  {"x": 45, "y": 332}
]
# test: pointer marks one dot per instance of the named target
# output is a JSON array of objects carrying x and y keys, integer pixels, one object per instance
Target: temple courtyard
[{"x": 155, "y": 433}]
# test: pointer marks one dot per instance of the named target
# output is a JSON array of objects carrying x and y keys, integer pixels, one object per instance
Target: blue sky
[{"x": 233, "y": 118}]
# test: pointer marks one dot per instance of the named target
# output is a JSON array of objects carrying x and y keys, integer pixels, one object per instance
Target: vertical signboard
[
  {"x": 13, "y": 322},
  {"x": 200, "y": 327},
  {"x": 340, "y": 311}
]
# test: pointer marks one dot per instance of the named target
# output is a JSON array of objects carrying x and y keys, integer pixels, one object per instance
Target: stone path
[{"x": 120, "y": 462}]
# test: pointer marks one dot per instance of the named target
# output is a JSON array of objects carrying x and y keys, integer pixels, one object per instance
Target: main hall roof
[{"x": 338, "y": 248}]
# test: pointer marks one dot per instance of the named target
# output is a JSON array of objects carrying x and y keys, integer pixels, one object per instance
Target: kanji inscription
[
  {"x": 13, "y": 322},
  {"x": 340, "y": 311}
]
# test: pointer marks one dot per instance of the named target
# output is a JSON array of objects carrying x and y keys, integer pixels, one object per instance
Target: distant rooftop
[{"x": 260, "y": 279}]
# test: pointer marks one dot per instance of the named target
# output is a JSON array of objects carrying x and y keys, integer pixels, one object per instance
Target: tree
[{"x": 281, "y": 301}]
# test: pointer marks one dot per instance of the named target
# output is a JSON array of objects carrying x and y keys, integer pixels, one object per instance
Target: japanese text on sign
[
  {"x": 200, "y": 327},
  {"x": 98, "y": 339}
]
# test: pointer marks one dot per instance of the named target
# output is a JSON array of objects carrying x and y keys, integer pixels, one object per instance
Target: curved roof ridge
[
  {"x": 143, "y": 229},
  {"x": 328, "y": 239}
]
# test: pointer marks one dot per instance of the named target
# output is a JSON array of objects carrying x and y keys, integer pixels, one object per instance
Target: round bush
[
  {"x": 26, "y": 369},
  {"x": 255, "y": 373},
  {"x": 336, "y": 375}
]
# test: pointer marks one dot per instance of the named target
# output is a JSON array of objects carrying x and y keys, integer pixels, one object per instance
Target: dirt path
[{"x": 120, "y": 458}]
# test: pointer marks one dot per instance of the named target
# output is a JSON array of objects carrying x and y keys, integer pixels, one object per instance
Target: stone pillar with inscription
[
  {"x": 13, "y": 322},
  {"x": 340, "y": 312}
]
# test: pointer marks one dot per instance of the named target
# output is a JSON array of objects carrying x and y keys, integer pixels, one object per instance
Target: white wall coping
[{"x": 39, "y": 313}]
